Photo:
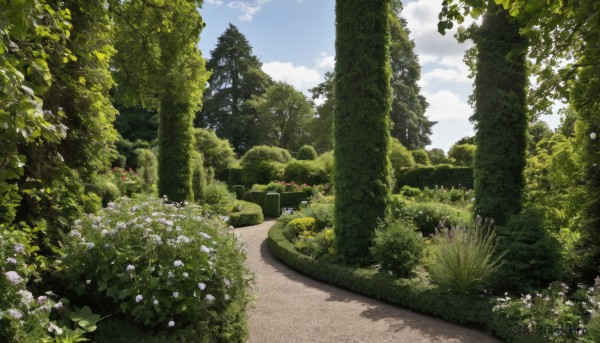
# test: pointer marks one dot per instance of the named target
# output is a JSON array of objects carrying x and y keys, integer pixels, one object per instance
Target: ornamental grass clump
[
  {"x": 162, "y": 266},
  {"x": 464, "y": 260}
]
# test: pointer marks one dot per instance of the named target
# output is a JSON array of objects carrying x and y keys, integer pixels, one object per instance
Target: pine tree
[
  {"x": 500, "y": 116},
  {"x": 362, "y": 175},
  {"x": 236, "y": 77}
]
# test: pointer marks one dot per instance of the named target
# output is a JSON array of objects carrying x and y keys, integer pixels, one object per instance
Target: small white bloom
[
  {"x": 110, "y": 204},
  {"x": 87, "y": 282},
  {"x": 121, "y": 226},
  {"x": 13, "y": 277},
  {"x": 15, "y": 313},
  {"x": 155, "y": 302},
  {"x": 42, "y": 299},
  {"x": 209, "y": 298},
  {"x": 58, "y": 305},
  {"x": 75, "y": 233},
  {"x": 148, "y": 220},
  {"x": 90, "y": 245},
  {"x": 593, "y": 135},
  {"x": 227, "y": 282},
  {"x": 171, "y": 275},
  {"x": 139, "y": 298},
  {"x": 178, "y": 229},
  {"x": 204, "y": 249},
  {"x": 178, "y": 263},
  {"x": 202, "y": 286},
  {"x": 104, "y": 232},
  {"x": 171, "y": 323},
  {"x": 130, "y": 268},
  {"x": 569, "y": 303},
  {"x": 175, "y": 295},
  {"x": 185, "y": 275},
  {"x": 227, "y": 297},
  {"x": 11, "y": 260},
  {"x": 53, "y": 328}
]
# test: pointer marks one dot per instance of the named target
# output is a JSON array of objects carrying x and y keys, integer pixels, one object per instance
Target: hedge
[
  {"x": 247, "y": 214},
  {"x": 240, "y": 191},
  {"x": 415, "y": 294},
  {"x": 272, "y": 206},
  {"x": 441, "y": 176},
  {"x": 234, "y": 176},
  {"x": 257, "y": 197},
  {"x": 292, "y": 199}
]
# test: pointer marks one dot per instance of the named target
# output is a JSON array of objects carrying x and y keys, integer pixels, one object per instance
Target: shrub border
[{"x": 413, "y": 294}]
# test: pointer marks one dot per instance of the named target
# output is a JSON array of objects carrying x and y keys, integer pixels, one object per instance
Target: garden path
[{"x": 293, "y": 308}]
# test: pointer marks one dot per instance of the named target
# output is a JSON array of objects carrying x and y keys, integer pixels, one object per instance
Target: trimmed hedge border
[
  {"x": 442, "y": 175},
  {"x": 414, "y": 294},
  {"x": 250, "y": 214}
]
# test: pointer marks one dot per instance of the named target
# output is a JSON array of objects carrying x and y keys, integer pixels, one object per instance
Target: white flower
[
  {"x": 87, "y": 282},
  {"x": 121, "y": 225},
  {"x": 130, "y": 268},
  {"x": 165, "y": 222},
  {"x": 13, "y": 277},
  {"x": 58, "y": 305},
  {"x": 42, "y": 299},
  {"x": 181, "y": 239},
  {"x": 227, "y": 297},
  {"x": 110, "y": 204},
  {"x": 134, "y": 208},
  {"x": 90, "y": 245},
  {"x": 171, "y": 275},
  {"x": 178, "y": 263},
  {"x": 26, "y": 297},
  {"x": 209, "y": 298},
  {"x": 204, "y": 235},
  {"x": 155, "y": 302},
  {"x": 175, "y": 295},
  {"x": 569, "y": 303},
  {"x": 593, "y": 135},
  {"x": 104, "y": 232},
  {"x": 527, "y": 297},
  {"x": 148, "y": 220},
  {"x": 178, "y": 228},
  {"x": 227, "y": 282},
  {"x": 139, "y": 298},
  {"x": 185, "y": 275},
  {"x": 171, "y": 323},
  {"x": 202, "y": 286},
  {"x": 11, "y": 260},
  {"x": 75, "y": 233},
  {"x": 53, "y": 328},
  {"x": 15, "y": 313},
  {"x": 204, "y": 249}
]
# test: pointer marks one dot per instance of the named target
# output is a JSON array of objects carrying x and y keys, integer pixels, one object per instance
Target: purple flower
[
  {"x": 13, "y": 277},
  {"x": 19, "y": 248},
  {"x": 15, "y": 314},
  {"x": 11, "y": 260},
  {"x": 139, "y": 298},
  {"x": 209, "y": 298}
]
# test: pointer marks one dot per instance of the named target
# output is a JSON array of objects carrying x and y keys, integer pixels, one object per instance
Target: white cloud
[
  {"x": 215, "y": 2},
  {"x": 446, "y": 105},
  {"x": 301, "y": 77},
  {"x": 325, "y": 61},
  {"x": 248, "y": 8},
  {"x": 437, "y": 75}
]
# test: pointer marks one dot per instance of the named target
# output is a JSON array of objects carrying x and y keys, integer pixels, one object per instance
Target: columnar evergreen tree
[
  {"x": 410, "y": 125},
  {"x": 158, "y": 66},
  {"x": 500, "y": 116},
  {"x": 362, "y": 84},
  {"x": 236, "y": 77}
]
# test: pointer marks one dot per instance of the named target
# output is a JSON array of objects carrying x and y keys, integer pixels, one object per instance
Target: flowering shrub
[
  {"x": 316, "y": 245},
  {"x": 128, "y": 181},
  {"x": 553, "y": 314},
  {"x": 164, "y": 266}
]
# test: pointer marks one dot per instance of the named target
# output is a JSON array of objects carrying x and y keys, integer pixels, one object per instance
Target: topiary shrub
[
  {"x": 421, "y": 157},
  {"x": 397, "y": 247},
  {"x": 256, "y": 166},
  {"x": 245, "y": 213},
  {"x": 240, "y": 191},
  {"x": 304, "y": 172},
  {"x": 307, "y": 152},
  {"x": 257, "y": 197},
  {"x": 234, "y": 176},
  {"x": 145, "y": 261},
  {"x": 430, "y": 215},
  {"x": 296, "y": 226},
  {"x": 533, "y": 258},
  {"x": 272, "y": 206}
]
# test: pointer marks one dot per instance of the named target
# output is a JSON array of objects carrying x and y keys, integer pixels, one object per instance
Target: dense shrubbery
[
  {"x": 400, "y": 157},
  {"x": 245, "y": 213},
  {"x": 428, "y": 215},
  {"x": 462, "y": 154},
  {"x": 421, "y": 157},
  {"x": 397, "y": 247},
  {"x": 163, "y": 266},
  {"x": 439, "y": 176},
  {"x": 263, "y": 163},
  {"x": 296, "y": 226},
  {"x": 218, "y": 196},
  {"x": 307, "y": 152},
  {"x": 309, "y": 172},
  {"x": 218, "y": 153}
]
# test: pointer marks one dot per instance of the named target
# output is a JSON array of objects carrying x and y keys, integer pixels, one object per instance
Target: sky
[{"x": 295, "y": 40}]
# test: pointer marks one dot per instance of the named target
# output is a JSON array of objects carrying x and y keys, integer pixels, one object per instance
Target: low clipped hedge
[
  {"x": 286, "y": 200},
  {"x": 415, "y": 293},
  {"x": 245, "y": 213},
  {"x": 446, "y": 176}
]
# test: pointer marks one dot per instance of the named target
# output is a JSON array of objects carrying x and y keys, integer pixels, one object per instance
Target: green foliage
[
  {"x": 136, "y": 123},
  {"x": 128, "y": 157},
  {"x": 361, "y": 124},
  {"x": 105, "y": 188},
  {"x": 198, "y": 177},
  {"x": 321, "y": 126},
  {"x": 272, "y": 205},
  {"x": 327, "y": 161},
  {"x": 283, "y": 116},
  {"x": 218, "y": 196},
  {"x": 304, "y": 172},
  {"x": 147, "y": 169},
  {"x": 411, "y": 192},
  {"x": 400, "y": 158},
  {"x": 465, "y": 259},
  {"x": 437, "y": 156},
  {"x": 532, "y": 257},
  {"x": 307, "y": 152},
  {"x": 500, "y": 116},
  {"x": 421, "y": 157},
  {"x": 257, "y": 197},
  {"x": 428, "y": 216},
  {"x": 234, "y": 176},
  {"x": 236, "y": 77},
  {"x": 149, "y": 272},
  {"x": 417, "y": 294},
  {"x": 240, "y": 191},
  {"x": 127, "y": 181},
  {"x": 322, "y": 212},
  {"x": 295, "y": 227},
  {"x": 316, "y": 245},
  {"x": 397, "y": 247},
  {"x": 217, "y": 152},
  {"x": 293, "y": 199},
  {"x": 257, "y": 166},
  {"x": 245, "y": 213},
  {"x": 462, "y": 154},
  {"x": 439, "y": 176}
]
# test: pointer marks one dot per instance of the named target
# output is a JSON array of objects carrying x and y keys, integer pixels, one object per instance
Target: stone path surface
[{"x": 292, "y": 308}]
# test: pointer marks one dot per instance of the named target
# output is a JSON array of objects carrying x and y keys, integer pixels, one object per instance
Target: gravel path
[{"x": 294, "y": 308}]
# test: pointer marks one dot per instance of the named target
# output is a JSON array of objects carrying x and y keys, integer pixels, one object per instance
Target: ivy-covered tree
[
  {"x": 158, "y": 66},
  {"x": 409, "y": 123},
  {"x": 236, "y": 77},
  {"x": 283, "y": 116},
  {"x": 363, "y": 92}
]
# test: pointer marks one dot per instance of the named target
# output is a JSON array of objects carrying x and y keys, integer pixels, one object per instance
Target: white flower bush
[{"x": 163, "y": 265}]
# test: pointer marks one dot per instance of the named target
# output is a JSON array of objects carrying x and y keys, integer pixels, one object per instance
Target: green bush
[
  {"x": 147, "y": 169},
  {"x": 400, "y": 157},
  {"x": 105, "y": 188},
  {"x": 323, "y": 213},
  {"x": 307, "y": 152},
  {"x": 296, "y": 226},
  {"x": 272, "y": 205},
  {"x": 217, "y": 152},
  {"x": 415, "y": 293},
  {"x": 198, "y": 177},
  {"x": 464, "y": 259},
  {"x": 316, "y": 245},
  {"x": 410, "y": 192},
  {"x": 439, "y": 176},
  {"x": 304, "y": 172},
  {"x": 240, "y": 191},
  {"x": 421, "y": 157},
  {"x": 257, "y": 197},
  {"x": 257, "y": 166},
  {"x": 397, "y": 247},
  {"x": 218, "y": 196},
  {"x": 146, "y": 261},
  {"x": 245, "y": 213},
  {"x": 430, "y": 215},
  {"x": 532, "y": 257},
  {"x": 462, "y": 154},
  {"x": 293, "y": 199},
  {"x": 327, "y": 162},
  {"x": 234, "y": 176},
  {"x": 91, "y": 203}
]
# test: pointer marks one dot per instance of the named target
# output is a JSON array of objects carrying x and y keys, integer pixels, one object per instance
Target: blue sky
[{"x": 295, "y": 41}]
